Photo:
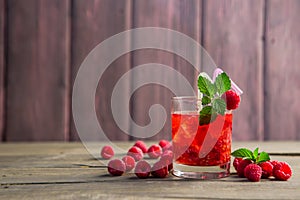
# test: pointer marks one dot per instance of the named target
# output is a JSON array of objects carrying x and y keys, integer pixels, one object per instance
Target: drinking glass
[{"x": 201, "y": 146}]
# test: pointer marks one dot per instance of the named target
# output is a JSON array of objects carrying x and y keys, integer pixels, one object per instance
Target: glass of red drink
[{"x": 201, "y": 148}]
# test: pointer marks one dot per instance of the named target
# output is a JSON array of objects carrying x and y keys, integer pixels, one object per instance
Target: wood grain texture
[
  {"x": 2, "y": 67},
  {"x": 182, "y": 16},
  {"x": 93, "y": 22},
  {"x": 282, "y": 74},
  {"x": 154, "y": 189},
  {"x": 53, "y": 174},
  {"x": 232, "y": 35},
  {"x": 38, "y": 70}
]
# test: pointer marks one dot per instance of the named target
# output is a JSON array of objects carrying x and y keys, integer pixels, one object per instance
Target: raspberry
[
  {"x": 241, "y": 167},
  {"x": 140, "y": 144},
  {"x": 116, "y": 167},
  {"x": 167, "y": 158},
  {"x": 282, "y": 171},
  {"x": 129, "y": 162},
  {"x": 170, "y": 167},
  {"x": 142, "y": 169},
  {"x": 168, "y": 147},
  {"x": 159, "y": 170},
  {"x": 236, "y": 162},
  {"x": 253, "y": 172},
  {"x": 136, "y": 153},
  {"x": 107, "y": 152},
  {"x": 274, "y": 162},
  {"x": 267, "y": 169},
  {"x": 154, "y": 151},
  {"x": 232, "y": 99},
  {"x": 164, "y": 144}
]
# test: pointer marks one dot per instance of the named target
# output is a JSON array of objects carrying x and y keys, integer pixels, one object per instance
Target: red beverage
[{"x": 201, "y": 145}]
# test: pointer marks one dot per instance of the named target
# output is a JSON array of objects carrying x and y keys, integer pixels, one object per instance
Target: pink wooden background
[{"x": 43, "y": 42}]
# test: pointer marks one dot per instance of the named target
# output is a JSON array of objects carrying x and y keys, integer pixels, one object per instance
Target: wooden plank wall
[
  {"x": 183, "y": 16},
  {"x": 93, "y": 22},
  {"x": 38, "y": 70},
  {"x": 233, "y": 37},
  {"x": 282, "y": 70},
  {"x": 43, "y": 43},
  {"x": 2, "y": 65}
]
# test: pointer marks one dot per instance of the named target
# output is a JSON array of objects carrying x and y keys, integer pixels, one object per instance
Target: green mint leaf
[
  {"x": 255, "y": 153},
  {"x": 207, "y": 115},
  {"x": 206, "y": 100},
  {"x": 219, "y": 106},
  {"x": 243, "y": 153},
  {"x": 222, "y": 83},
  {"x": 263, "y": 157},
  {"x": 206, "y": 86}
]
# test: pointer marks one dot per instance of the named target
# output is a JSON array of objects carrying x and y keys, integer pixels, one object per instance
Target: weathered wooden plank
[
  {"x": 182, "y": 16},
  {"x": 38, "y": 70},
  {"x": 94, "y": 183},
  {"x": 282, "y": 57},
  {"x": 232, "y": 35},
  {"x": 78, "y": 172},
  {"x": 75, "y": 148},
  {"x": 93, "y": 22},
  {"x": 77, "y": 181},
  {"x": 2, "y": 66},
  {"x": 176, "y": 190}
]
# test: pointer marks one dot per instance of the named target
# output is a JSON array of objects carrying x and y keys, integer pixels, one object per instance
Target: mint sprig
[
  {"x": 219, "y": 106},
  {"x": 207, "y": 114},
  {"x": 212, "y": 101},
  {"x": 206, "y": 87},
  {"x": 249, "y": 155},
  {"x": 222, "y": 83}
]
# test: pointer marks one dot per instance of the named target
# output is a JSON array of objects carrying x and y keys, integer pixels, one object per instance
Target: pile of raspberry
[
  {"x": 162, "y": 152},
  {"x": 255, "y": 171}
]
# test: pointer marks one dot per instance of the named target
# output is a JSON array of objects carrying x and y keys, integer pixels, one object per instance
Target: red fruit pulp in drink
[{"x": 201, "y": 145}]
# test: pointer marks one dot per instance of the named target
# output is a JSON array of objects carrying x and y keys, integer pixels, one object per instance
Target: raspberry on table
[
  {"x": 136, "y": 153},
  {"x": 116, "y": 167},
  {"x": 140, "y": 144},
  {"x": 159, "y": 170},
  {"x": 282, "y": 171},
  {"x": 236, "y": 162},
  {"x": 232, "y": 99},
  {"x": 167, "y": 158},
  {"x": 267, "y": 169},
  {"x": 165, "y": 145},
  {"x": 107, "y": 152},
  {"x": 142, "y": 169},
  {"x": 242, "y": 165},
  {"x": 154, "y": 151},
  {"x": 129, "y": 162},
  {"x": 253, "y": 172},
  {"x": 274, "y": 162}
]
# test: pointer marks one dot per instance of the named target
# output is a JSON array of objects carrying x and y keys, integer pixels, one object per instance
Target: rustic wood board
[
  {"x": 182, "y": 16},
  {"x": 79, "y": 183},
  {"x": 282, "y": 74},
  {"x": 155, "y": 188},
  {"x": 93, "y": 22},
  {"x": 232, "y": 35},
  {"x": 77, "y": 148},
  {"x": 81, "y": 170},
  {"x": 54, "y": 173},
  {"x": 38, "y": 70},
  {"x": 2, "y": 67}
]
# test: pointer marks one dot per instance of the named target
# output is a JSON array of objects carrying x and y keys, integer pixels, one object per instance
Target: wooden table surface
[{"x": 67, "y": 171}]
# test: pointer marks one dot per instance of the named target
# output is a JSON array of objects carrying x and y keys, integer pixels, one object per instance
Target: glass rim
[{"x": 186, "y": 98}]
